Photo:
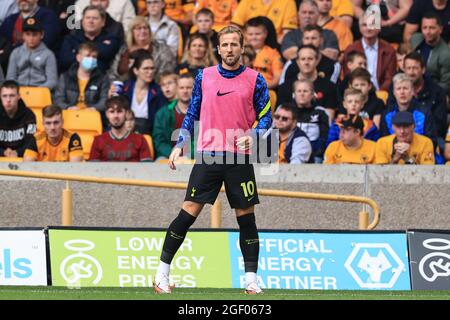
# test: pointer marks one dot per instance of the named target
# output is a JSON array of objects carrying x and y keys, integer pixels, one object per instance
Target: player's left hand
[{"x": 244, "y": 143}]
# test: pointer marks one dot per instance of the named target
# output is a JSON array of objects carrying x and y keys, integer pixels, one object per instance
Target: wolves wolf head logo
[{"x": 374, "y": 266}]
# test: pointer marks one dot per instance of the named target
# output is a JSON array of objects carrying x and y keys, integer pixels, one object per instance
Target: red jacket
[{"x": 387, "y": 62}]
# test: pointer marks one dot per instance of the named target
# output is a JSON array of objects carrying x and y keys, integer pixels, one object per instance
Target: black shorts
[{"x": 239, "y": 179}]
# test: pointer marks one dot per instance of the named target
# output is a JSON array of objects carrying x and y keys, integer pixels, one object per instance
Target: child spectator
[
  {"x": 168, "y": 84},
  {"x": 221, "y": 9},
  {"x": 268, "y": 61},
  {"x": 373, "y": 106},
  {"x": 33, "y": 64},
  {"x": 355, "y": 59},
  {"x": 203, "y": 23},
  {"x": 353, "y": 104},
  {"x": 249, "y": 56}
]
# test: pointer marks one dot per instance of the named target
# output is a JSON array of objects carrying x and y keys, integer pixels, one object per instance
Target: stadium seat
[
  {"x": 150, "y": 145},
  {"x": 87, "y": 140},
  {"x": 83, "y": 121},
  {"x": 39, "y": 122},
  {"x": 11, "y": 159},
  {"x": 36, "y": 97},
  {"x": 383, "y": 95},
  {"x": 87, "y": 123},
  {"x": 273, "y": 100}
]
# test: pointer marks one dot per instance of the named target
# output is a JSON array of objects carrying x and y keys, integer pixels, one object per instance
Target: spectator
[
  {"x": 381, "y": 58},
  {"x": 352, "y": 147},
  {"x": 340, "y": 28},
  {"x": 162, "y": 27},
  {"x": 393, "y": 17},
  {"x": 426, "y": 92},
  {"x": 92, "y": 30},
  {"x": 111, "y": 25},
  {"x": 423, "y": 7},
  {"x": 63, "y": 10},
  {"x": 402, "y": 50},
  {"x": 119, "y": 144},
  {"x": 170, "y": 118},
  {"x": 355, "y": 59},
  {"x": 143, "y": 93},
  {"x": 249, "y": 56},
  {"x": 130, "y": 121},
  {"x": 325, "y": 92},
  {"x": 168, "y": 83},
  {"x": 222, "y": 11},
  {"x": 121, "y": 11},
  {"x": 353, "y": 105},
  {"x": 55, "y": 143},
  {"x": 84, "y": 85},
  {"x": 294, "y": 146},
  {"x": 308, "y": 14},
  {"x": 434, "y": 50},
  {"x": 203, "y": 23},
  {"x": 343, "y": 10},
  {"x": 180, "y": 12},
  {"x": 5, "y": 52},
  {"x": 313, "y": 120},
  {"x": 404, "y": 94},
  {"x": 281, "y": 12},
  {"x": 17, "y": 122},
  {"x": 268, "y": 61},
  {"x": 33, "y": 64},
  {"x": 373, "y": 106},
  {"x": 404, "y": 146},
  {"x": 11, "y": 27},
  {"x": 139, "y": 36},
  {"x": 7, "y": 8},
  {"x": 197, "y": 55}
]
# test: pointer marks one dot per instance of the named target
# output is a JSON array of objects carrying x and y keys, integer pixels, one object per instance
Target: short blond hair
[{"x": 353, "y": 92}]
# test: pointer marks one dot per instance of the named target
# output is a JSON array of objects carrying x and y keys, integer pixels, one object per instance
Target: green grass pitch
[{"x": 63, "y": 293}]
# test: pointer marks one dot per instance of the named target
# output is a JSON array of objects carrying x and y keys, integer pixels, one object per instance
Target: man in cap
[
  {"x": 351, "y": 146},
  {"x": 33, "y": 64},
  {"x": 404, "y": 146}
]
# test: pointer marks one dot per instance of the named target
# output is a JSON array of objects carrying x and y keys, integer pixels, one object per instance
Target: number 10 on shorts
[{"x": 248, "y": 188}]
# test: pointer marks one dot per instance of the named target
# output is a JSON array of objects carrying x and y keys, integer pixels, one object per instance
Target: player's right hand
[{"x": 174, "y": 155}]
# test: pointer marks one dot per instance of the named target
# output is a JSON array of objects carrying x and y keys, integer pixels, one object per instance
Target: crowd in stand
[{"x": 342, "y": 90}]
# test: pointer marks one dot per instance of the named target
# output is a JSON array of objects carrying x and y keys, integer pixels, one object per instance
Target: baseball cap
[
  {"x": 31, "y": 24},
  {"x": 353, "y": 122},
  {"x": 403, "y": 118}
]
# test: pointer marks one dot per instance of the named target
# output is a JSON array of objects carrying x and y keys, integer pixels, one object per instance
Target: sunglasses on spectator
[{"x": 278, "y": 117}]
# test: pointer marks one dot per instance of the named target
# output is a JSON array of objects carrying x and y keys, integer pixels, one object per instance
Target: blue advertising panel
[{"x": 331, "y": 261}]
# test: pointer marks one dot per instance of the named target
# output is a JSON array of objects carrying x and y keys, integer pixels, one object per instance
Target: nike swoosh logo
[
  {"x": 219, "y": 94},
  {"x": 249, "y": 199}
]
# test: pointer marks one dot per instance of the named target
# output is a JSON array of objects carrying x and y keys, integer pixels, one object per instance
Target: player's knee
[
  {"x": 246, "y": 211},
  {"x": 247, "y": 220},
  {"x": 192, "y": 208}
]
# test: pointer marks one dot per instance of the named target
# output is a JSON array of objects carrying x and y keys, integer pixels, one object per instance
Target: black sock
[
  {"x": 249, "y": 241},
  {"x": 175, "y": 235}
]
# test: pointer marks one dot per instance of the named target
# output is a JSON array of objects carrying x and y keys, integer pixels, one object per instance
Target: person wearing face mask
[{"x": 83, "y": 86}]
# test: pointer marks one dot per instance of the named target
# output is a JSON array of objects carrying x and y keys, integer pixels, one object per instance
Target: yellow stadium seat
[
  {"x": 11, "y": 159},
  {"x": 83, "y": 121},
  {"x": 39, "y": 122},
  {"x": 383, "y": 95},
  {"x": 86, "y": 142},
  {"x": 36, "y": 97},
  {"x": 273, "y": 100},
  {"x": 150, "y": 145}
]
